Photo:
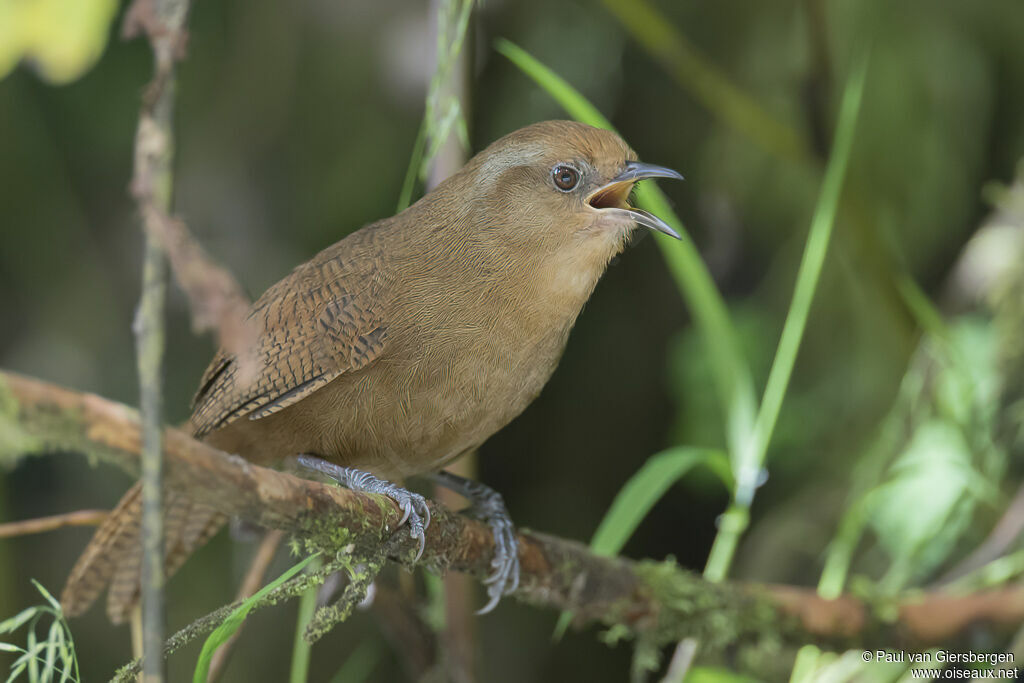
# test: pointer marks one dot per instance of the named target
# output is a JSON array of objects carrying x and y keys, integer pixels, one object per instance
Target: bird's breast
[{"x": 463, "y": 358}]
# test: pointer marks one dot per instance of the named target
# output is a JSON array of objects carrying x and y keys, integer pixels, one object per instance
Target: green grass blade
[
  {"x": 415, "y": 163},
  {"x": 435, "y": 126},
  {"x": 697, "y": 287},
  {"x": 16, "y": 671},
  {"x": 53, "y": 640},
  {"x": 808, "y": 274},
  {"x": 33, "y": 648},
  {"x": 641, "y": 492},
  {"x": 805, "y": 665},
  {"x": 301, "y": 648},
  {"x": 570, "y": 99},
  {"x": 68, "y": 661},
  {"x": 715, "y": 674},
  {"x": 46, "y": 594},
  {"x": 223, "y": 632},
  {"x": 18, "y": 620},
  {"x": 812, "y": 262},
  {"x": 644, "y": 489},
  {"x": 839, "y": 555}
]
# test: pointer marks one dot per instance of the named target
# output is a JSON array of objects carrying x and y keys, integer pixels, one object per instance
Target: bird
[{"x": 407, "y": 344}]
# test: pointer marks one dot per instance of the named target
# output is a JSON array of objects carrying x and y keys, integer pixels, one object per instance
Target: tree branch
[
  {"x": 53, "y": 522},
  {"x": 656, "y": 602}
]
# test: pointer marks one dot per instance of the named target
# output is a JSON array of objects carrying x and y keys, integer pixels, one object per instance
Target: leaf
[
  {"x": 49, "y": 598},
  {"x": 951, "y": 384},
  {"x": 847, "y": 667},
  {"x": 16, "y": 622},
  {"x": 645, "y": 488},
  {"x": 29, "y": 659},
  {"x": 15, "y": 672},
  {"x": 640, "y": 493},
  {"x": 67, "y": 659},
  {"x": 808, "y": 659},
  {"x": 223, "y": 632},
  {"x": 33, "y": 649},
  {"x": 706, "y": 674},
  {"x": 64, "y": 38},
  {"x": 933, "y": 478},
  {"x": 53, "y": 640}
]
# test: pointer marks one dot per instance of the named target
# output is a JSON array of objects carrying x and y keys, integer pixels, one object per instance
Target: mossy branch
[{"x": 656, "y": 602}]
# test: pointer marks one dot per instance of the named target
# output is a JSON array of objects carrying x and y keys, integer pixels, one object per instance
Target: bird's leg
[
  {"x": 413, "y": 505},
  {"x": 489, "y": 504}
]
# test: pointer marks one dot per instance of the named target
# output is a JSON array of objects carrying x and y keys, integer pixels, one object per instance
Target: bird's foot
[
  {"x": 413, "y": 505},
  {"x": 489, "y": 504}
]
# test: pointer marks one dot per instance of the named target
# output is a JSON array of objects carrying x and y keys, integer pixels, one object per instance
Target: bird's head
[{"x": 562, "y": 182}]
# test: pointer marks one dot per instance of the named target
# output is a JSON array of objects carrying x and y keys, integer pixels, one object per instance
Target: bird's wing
[{"x": 319, "y": 322}]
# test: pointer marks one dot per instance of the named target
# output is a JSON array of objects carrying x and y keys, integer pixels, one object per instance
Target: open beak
[{"x": 614, "y": 196}]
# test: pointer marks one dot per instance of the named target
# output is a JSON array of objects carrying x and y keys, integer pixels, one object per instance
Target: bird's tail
[{"x": 114, "y": 555}]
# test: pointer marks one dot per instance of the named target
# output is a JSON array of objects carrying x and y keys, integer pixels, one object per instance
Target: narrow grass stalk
[
  {"x": 301, "y": 648},
  {"x": 752, "y": 460},
  {"x": 415, "y": 163},
  {"x": 231, "y": 624},
  {"x": 440, "y": 117}
]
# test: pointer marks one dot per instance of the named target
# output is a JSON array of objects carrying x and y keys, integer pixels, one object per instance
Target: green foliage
[
  {"x": 63, "y": 38},
  {"x": 812, "y": 665},
  {"x": 222, "y": 633},
  {"x": 707, "y": 674},
  {"x": 934, "y": 454},
  {"x": 42, "y": 661}
]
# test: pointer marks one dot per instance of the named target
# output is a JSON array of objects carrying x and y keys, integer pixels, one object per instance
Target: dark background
[{"x": 295, "y": 125}]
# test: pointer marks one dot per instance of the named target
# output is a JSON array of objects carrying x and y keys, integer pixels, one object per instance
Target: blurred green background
[{"x": 295, "y": 125}]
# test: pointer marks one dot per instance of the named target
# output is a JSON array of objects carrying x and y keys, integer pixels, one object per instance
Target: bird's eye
[{"x": 566, "y": 177}]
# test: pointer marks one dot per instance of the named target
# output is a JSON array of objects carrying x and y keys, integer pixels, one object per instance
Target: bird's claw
[
  {"x": 419, "y": 519},
  {"x": 489, "y": 505},
  {"x": 505, "y": 577},
  {"x": 415, "y": 510}
]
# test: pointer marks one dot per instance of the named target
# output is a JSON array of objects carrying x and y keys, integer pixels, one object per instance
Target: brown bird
[{"x": 408, "y": 343}]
